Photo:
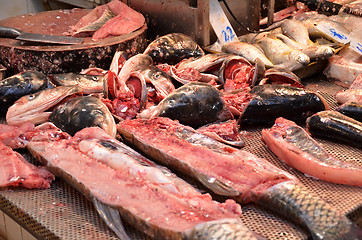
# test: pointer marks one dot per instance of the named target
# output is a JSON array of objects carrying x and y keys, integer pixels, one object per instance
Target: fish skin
[
  {"x": 248, "y": 51},
  {"x": 81, "y": 112},
  {"x": 193, "y": 104},
  {"x": 294, "y": 146},
  {"x": 281, "y": 54},
  {"x": 335, "y": 126},
  {"x": 203, "y": 63},
  {"x": 351, "y": 109},
  {"x": 297, "y": 203},
  {"x": 19, "y": 85},
  {"x": 172, "y": 48},
  {"x": 32, "y": 108},
  {"x": 271, "y": 101},
  {"x": 280, "y": 192},
  {"x": 209, "y": 212},
  {"x": 296, "y": 30}
]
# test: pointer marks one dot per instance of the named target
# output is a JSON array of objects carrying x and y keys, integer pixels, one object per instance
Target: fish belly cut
[{"x": 293, "y": 145}]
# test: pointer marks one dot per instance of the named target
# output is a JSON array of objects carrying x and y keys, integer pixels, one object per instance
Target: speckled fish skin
[
  {"x": 172, "y": 48},
  {"x": 19, "y": 85},
  {"x": 81, "y": 112},
  {"x": 295, "y": 201}
]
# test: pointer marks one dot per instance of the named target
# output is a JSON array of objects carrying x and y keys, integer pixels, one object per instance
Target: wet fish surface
[
  {"x": 193, "y": 104},
  {"x": 237, "y": 174},
  {"x": 81, "y": 112},
  {"x": 19, "y": 85},
  {"x": 335, "y": 126},
  {"x": 294, "y": 146},
  {"x": 88, "y": 83},
  {"x": 271, "y": 101},
  {"x": 148, "y": 196},
  {"x": 351, "y": 109}
]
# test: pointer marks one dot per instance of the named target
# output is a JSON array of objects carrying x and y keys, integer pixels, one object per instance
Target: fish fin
[
  {"x": 217, "y": 186},
  {"x": 112, "y": 218}
]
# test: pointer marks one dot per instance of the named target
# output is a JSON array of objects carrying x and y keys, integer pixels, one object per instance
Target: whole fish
[
  {"x": 172, "y": 48},
  {"x": 296, "y": 30},
  {"x": 351, "y": 109},
  {"x": 294, "y": 146},
  {"x": 21, "y": 84},
  {"x": 248, "y": 51},
  {"x": 81, "y": 112},
  {"x": 236, "y": 173},
  {"x": 32, "y": 108},
  {"x": 88, "y": 83},
  {"x": 148, "y": 196},
  {"x": 282, "y": 55},
  {"x": 193, "y": 104},
  {"x": 336, "y": 126},
  {"x": 270, "y": 101}
]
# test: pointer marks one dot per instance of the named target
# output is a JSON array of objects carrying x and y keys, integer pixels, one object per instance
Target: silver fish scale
[{"x": 324, "y": 221}]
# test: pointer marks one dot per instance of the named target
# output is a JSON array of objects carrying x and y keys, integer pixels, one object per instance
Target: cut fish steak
[
  {"x": 293, "y": 145},
  {"x": 149, "y": 197},
  {"x": 237, "y": 174}
]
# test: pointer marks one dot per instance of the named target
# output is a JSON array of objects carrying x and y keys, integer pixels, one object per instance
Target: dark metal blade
[{"x": 33, "y": 37}]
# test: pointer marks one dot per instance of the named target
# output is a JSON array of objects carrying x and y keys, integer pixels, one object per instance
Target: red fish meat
[
  {"x": 16, "y": 171},
  {"x": 293, "y": 145}
]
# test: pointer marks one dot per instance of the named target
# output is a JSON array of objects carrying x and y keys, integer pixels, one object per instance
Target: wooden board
[{"x": 18, "y": 56}]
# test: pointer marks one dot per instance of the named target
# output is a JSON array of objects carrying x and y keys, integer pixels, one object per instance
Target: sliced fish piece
[
  {"x": 351, "y": 109},
  {"x": 294, "y": 146},
  {"x": 335, "y": 126},
  {"x": 136, "y": 189},
  {"x": 255, "y": 179}
]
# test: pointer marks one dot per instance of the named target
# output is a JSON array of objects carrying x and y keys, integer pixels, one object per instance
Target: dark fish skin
[
  {"x": 351, "y": 109},
  {"x": 172, "y": 48},
  {"x": 81, "y": 112},
  {"x": 194, "y": 104},
  {"x": 271, "y": 101},
  {"x": 21, "y": 84},
  {"x": 336, "y": 126},
  {"x": 296, "y": 202}
]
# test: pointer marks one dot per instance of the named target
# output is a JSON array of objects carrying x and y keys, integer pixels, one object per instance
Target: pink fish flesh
[
  {"x": 13, "y": 136},
  {"x": 293, "y": 145},
  {"x": 16, "y": 171},
  {"x": 235, "y": 173},
  {"x": 150, "y": 197}
]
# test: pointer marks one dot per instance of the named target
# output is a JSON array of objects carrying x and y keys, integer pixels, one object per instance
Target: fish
[
  {"x": 248, "y": 51},
  {"x": 281, "y": 76},
  {"x": 92, "y": 21},
  {"x": 296, "y": 30},
  {"x": 193, "y": 104},
  {"x": 351, "y": 109},
  {"x": 19, "y": 85},
  {"x": 81, "y": 112},
  {"x": 334, "y": 125},
  {"x": 294, "y": 146},
  {"x": 149, "y": 197},
  {"x": 236, "y": 72},
  {"x": 314, "y": 51},
  {"x": 236, "y": 174},
  {"x": 89, "y": 83},
  {"x": 270, "y": 101},
  {"x": 203, "y": 63},
  {"x": 13, "y": 136},
  {"x": 282, "y": 55},
  {"x": 353, "y": 93},
  {"x": 172, "y": 48},
  {"x": 17, "y": 172},
  {"x": 33, "y": 107}
]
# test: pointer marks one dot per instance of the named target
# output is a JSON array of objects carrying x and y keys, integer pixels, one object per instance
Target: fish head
[
  {"x": 32, "y": 107},
  {"x": 236, "y": 67}
]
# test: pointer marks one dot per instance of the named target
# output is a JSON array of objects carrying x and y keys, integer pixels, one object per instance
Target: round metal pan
[{"x": 19, "y": 56}]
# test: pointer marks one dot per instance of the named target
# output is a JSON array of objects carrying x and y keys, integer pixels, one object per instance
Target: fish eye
[
  {"x": 157, "y": 75},
  {"x": 31, "y": 96}
]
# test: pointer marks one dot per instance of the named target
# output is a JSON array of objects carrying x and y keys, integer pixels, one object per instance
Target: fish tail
[
  {"x": 226, "y": 229},
  {"x": 297, "y": 203}
]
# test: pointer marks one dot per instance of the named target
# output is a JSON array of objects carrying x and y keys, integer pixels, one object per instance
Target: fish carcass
[
  {"x": 294, "y": 146},
  {"x": 237, "y": 174},
  {"x": 148, "y": 196}
]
